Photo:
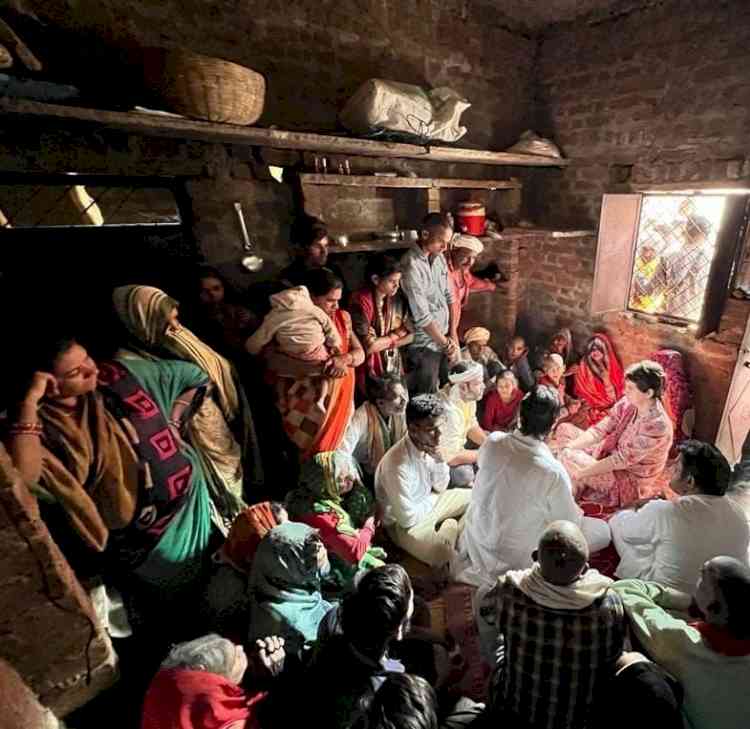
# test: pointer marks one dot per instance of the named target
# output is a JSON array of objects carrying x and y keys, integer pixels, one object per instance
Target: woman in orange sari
[
  {"x": 315, "y": 399},
  {"x": 599, "y": 380}
]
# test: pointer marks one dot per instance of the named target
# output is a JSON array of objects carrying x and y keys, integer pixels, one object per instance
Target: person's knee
[
  {"x": 462, "y": 476},
  {"x": 597, "y": 533}
]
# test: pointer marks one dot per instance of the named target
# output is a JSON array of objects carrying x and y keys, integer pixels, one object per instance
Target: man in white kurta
[
  {"x": 520, "y": 489},
  {"x": 668, "y": 541},
  {"x": 464, "y": 389},
  {"x": 420, "y": 513}
]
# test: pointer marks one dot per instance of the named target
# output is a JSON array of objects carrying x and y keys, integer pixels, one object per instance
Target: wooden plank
[
  {"x": 407, "y": 182},
  {"x": 174, "y": 126},
  {"x": 378, "y": 245}
]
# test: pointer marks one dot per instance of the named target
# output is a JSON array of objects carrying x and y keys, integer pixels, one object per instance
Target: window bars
[{"x": 676, "y": 243}]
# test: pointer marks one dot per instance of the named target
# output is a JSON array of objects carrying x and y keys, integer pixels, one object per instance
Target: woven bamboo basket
[{"x": 202, "y": 87}]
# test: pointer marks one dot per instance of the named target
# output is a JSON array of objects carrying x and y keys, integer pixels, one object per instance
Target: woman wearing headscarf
[
  {"x": 198, "y": 685},
  {"x": 332, "y": 499},
  {"x": 222, "y": 430},
  {"x": 285, "y": 595},
  {"x": 599, "y": 381}
]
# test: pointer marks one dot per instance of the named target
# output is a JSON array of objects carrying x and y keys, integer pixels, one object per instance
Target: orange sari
[{"x": 316, "y": 410}]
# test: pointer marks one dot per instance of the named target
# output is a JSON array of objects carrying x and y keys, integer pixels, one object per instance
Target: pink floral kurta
[{"x": 638, "y": 445}]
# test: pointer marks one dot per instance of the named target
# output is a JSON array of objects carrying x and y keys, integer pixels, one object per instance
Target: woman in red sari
[
  {"x": 380, "y": 320},
  {"x": 316, "y": 400},
  {"x": 599, "y": 380}
]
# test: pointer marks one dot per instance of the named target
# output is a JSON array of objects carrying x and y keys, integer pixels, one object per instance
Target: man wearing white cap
[
  {"x": 462, "y": 256},
  {"x": 464, "y": 389}
]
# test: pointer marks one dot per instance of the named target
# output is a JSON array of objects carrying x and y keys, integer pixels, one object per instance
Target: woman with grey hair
[{"x": 197, "y": 686}]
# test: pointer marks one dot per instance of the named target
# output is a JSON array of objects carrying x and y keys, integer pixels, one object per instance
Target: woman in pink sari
[{"x": 621, "y": 459}]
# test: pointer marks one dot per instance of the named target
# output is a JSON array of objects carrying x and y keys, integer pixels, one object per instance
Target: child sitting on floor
[
  {"x": 553, "y": 368},
  {"x": 501, "y": 405},
  {"x": 517, "y": 354}
]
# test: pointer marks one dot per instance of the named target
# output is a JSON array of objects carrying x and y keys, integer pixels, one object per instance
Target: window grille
[{"x": 675, "y": 246}]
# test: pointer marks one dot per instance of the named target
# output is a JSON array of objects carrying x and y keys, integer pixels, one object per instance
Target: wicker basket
[{"x": 202, "y": 87}]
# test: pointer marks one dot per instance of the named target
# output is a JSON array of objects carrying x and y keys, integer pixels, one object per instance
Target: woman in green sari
[
  {"x": 332, "y": 499},
  {"x": 222, "y": 429}
]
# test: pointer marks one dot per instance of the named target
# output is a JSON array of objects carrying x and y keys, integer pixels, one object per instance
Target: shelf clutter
[{"x": 168, "y": 125}]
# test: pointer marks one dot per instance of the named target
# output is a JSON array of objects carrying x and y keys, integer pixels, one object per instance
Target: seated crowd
[{"x": 604, "y": 551}]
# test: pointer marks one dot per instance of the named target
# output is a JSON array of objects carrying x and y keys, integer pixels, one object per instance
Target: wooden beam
[
  {"x": 165, "y": 125},
  {"x": 408, "y": 182},
  {"x": 379, "y": 245}
]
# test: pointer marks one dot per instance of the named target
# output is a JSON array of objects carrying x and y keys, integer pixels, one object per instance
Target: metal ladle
[{"x": 252, "y": 262}]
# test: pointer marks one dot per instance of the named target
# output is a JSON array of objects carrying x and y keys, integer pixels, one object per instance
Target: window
[
  {"x": 669, "y": 255},
  {"x": 93, "y": 204}
]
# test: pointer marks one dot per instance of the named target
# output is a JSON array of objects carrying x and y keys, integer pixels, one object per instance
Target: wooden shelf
[
  {"x": 422, "y": 183},
  {"x": 163, "y": 125},
  {"x": 371, "y": 246}
]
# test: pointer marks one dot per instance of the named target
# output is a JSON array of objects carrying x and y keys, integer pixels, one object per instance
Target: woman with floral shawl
[
  {"x": 332, "y": 499},
  {"x": 599, "y": 381},
  {"x": 285, "y": 596},
  {"x": 222, "y": 429}
]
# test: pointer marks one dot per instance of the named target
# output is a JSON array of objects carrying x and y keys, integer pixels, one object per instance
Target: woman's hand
[{"x": 43, "y": 384}]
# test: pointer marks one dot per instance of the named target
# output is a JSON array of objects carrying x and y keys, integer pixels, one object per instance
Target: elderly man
[
  {"x": 425, "y": 283},
  {"x": 520, "y": 489},
  {"x": 668, "y": 541},
  {"x": 411, "y": 486},
  {"x": 377, "y": 424},
  {"x": 563, "y": 630},
  {"x": 463, "y": 254},
  {"x": 709, "y": 657},
  {"x": 464, "y": 389}
]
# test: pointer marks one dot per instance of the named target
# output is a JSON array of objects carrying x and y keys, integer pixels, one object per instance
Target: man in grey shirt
[{"x": 425, "y": 283}]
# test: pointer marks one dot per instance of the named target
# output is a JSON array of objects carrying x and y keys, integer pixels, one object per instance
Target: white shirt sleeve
[
  {"x": 407, "y": 509},
  {"x": 560, "y": 501},
  {"x": 440, "y": 475},
  {"x": 453, "y": 437},
  {"x": 355, "y": 432},
  {"x": 642, "y": 526}
]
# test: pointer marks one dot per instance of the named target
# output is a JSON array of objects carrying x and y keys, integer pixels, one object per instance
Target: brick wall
[
  {"x": 556, "y": 279},
  {"x": 657, "y": 95},
  {"x": 315, "y": 53}
]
